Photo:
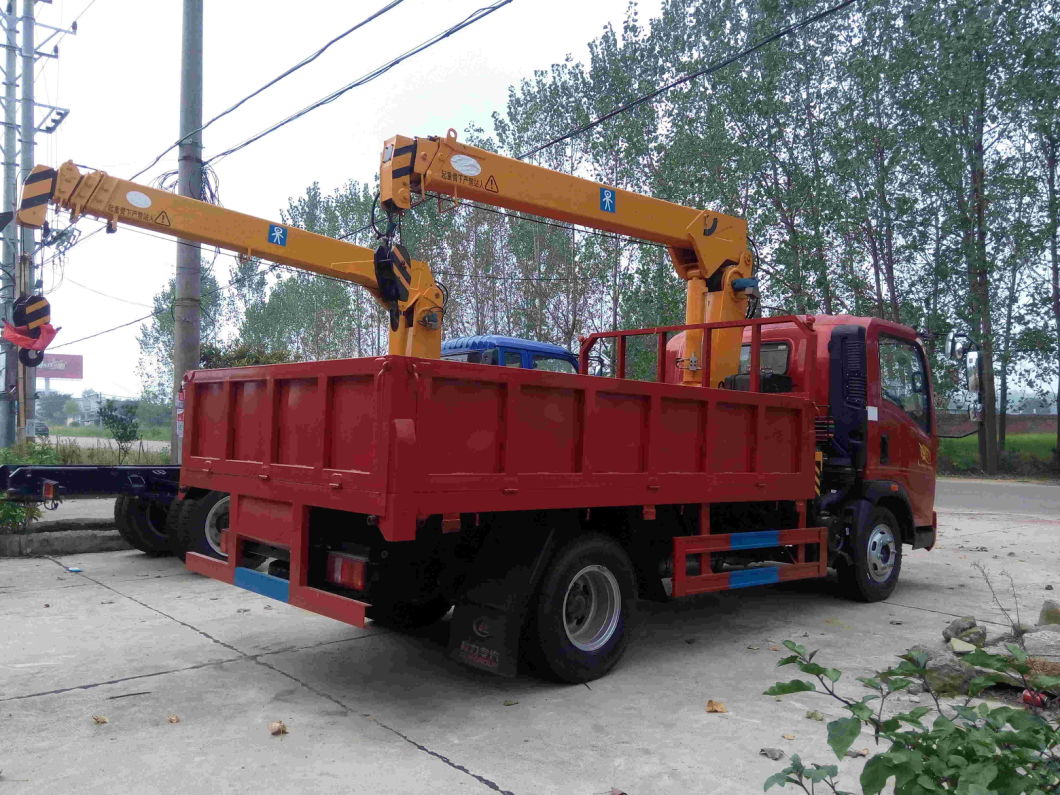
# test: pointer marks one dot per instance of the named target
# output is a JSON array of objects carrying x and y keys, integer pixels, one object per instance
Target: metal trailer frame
[{"x": 41, "y": 483}]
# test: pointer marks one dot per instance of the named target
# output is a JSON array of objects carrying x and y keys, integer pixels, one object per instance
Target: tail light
[{"x": 347, "y": 571}]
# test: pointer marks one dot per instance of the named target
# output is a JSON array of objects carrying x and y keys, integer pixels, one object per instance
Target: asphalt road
[
  {"x": 135, "y": 640},
  {"x": 999, "y": 496}
]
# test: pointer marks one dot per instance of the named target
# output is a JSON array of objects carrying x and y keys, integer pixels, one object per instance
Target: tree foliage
[{"x": 897, "y": 159}]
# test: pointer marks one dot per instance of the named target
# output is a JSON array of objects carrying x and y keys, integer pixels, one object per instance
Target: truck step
[{"x": 685, "y": 584}]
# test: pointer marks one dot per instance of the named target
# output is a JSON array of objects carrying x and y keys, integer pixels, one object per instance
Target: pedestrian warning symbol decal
[
  {"x": 277, "y": 235},
  {"x": 607, "y": 200},
  {"x": 162, "y": 219},
  {"x": 491, "y": 185}
]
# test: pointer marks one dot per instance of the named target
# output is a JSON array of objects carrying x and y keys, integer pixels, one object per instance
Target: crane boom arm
[
  {"x": 412, "y": 291},
  {"x": 708, "y": 249}
]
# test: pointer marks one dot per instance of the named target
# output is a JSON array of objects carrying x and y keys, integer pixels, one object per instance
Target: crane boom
[
  {"x": 708, "y": 249},
  {"x": 404, "y": 285}
]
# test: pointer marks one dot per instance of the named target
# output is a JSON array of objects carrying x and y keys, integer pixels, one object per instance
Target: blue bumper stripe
[
  {"x": 264, "y": 584},
  {"x": 758, "y": 540},
  {"x": 748, "y": 577}
]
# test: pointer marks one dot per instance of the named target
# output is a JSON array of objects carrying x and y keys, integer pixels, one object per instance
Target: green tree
[
  {"x": 52, "y": 407},
  {"x": 119, "y": 420}
]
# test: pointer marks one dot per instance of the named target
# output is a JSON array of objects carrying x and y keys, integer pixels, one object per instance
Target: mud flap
[{"x": 488, "y": 620}]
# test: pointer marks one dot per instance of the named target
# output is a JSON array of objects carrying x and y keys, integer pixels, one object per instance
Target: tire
[
  {"x": 142, "y": 524},
  {"x": 877, "y": 559},
  {"x": 199, "y": 526},
  {"x": 582, "y": 611},
  {"x": 410, "y": 615},
  {"x": 173, "y": 521}
]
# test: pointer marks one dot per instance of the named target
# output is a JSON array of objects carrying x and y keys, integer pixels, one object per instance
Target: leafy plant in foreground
[{"x": 973, "y": 749}]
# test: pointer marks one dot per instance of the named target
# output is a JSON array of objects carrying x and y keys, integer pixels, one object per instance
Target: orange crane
[{"x": 404, "y": 286}]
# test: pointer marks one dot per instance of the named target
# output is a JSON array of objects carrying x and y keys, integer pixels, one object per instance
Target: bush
[
  {"x": 966, "y": 749},
  {"x": 15, "y": 515}
]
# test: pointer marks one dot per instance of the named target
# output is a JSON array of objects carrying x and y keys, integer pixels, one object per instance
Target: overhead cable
[
  {"x": 471, "y": 19},
  {"x": 714, "y": 67},
  {"x": 286, "y": 73}
]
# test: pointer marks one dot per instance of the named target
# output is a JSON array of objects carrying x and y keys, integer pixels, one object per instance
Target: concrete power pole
[
  {"x": 7, "y": 281},
  {"x": 187, "y": 304},
  {"x": 24, "y": 274}
]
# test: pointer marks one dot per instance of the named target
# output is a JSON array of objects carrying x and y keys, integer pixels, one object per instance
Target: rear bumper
[{"x": 340, "y": 608}]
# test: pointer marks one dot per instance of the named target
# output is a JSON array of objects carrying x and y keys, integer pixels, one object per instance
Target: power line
[
  {"x": 471, "y": 19},
  {"x": 714, "y": 67},
  {"x": 165, "y": 309},
  {"x": 304, "y": 62},
  {"x": 99, "y": 292}
]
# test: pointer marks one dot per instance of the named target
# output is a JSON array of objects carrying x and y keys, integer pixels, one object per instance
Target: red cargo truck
[
  {"x": 539, "y": 506},
  {"x": 543, "y": 504}
]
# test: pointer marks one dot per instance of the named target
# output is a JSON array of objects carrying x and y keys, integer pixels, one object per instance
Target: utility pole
[
  {"x": 24, "y": 275},
  {"x": 10, "y": 262},
  {"x": 187, "y": 302}
]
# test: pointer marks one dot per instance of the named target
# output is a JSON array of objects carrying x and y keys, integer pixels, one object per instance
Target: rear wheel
[
  {"x": 173, "y": 521},
  {"x": 142, "y": 524},
  {"x": 201, "y": 524},
  {"x": 877, "y": 559},
  {"x": 584, "y": 606}
]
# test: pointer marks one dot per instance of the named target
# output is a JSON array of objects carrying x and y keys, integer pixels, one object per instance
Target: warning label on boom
[
  {"x": 491, "y": 185},
  {"x": 163, "y": 219}
]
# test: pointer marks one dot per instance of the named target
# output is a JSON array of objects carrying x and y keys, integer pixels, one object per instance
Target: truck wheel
[
  {"x": 409, "y": 615},
  {"x": 142, "y": 524},
  {"x": 877, "y": 553},
  {"x": 200, "y": 524},
  {"x": 173, "y": 521},
  {"x": 579, "y": 623}
]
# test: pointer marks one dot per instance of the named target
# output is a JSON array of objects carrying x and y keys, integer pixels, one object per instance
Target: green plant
[
  {"x": 15, "y": 515},
  {"x": 974, "y": 749},
  {"x": 121, "y": 424}
]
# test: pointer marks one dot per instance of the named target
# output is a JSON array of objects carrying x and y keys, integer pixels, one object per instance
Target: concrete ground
[{"x": 137, "y": 639}]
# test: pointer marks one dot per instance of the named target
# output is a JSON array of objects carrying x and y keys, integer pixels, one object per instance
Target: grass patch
[
  {"x": 1024, "y": 454},
  {"x": 154, "y": 433}
]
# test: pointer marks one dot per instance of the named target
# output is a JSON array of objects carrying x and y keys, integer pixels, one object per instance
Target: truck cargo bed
[{"x": 401, "y": 439}]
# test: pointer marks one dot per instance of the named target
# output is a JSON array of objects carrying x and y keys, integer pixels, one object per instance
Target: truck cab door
[{"x": 902, "y": 445}]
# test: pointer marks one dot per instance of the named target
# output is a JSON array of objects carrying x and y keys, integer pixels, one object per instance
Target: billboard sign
[{"x": 59, "y": 365}]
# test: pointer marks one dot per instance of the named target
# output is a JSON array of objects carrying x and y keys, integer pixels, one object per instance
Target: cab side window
[{"x": 903, "y": 379}]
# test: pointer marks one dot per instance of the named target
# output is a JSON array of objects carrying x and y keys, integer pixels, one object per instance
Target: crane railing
[{"x": 802, "y": 324}]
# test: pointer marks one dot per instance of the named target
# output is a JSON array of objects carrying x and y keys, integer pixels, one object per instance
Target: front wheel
[
  {"x": 876, "y": 550},
  {"x": 583, "y": 609}
]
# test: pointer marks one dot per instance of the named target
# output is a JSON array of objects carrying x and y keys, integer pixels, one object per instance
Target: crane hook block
[
  {"x": 393, "y": 274},
  {"x": 32, "y": 330}
]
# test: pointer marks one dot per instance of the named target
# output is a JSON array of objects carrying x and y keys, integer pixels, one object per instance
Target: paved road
[
  {"x": 136, "y": 639},
  {"x": 999, "y": 496}
]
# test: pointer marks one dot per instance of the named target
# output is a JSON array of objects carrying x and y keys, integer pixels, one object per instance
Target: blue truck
[{"x": 510, "y": 352}]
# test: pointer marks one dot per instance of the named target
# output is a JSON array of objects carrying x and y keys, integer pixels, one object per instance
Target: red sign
[{"x": 59, "y": 365}]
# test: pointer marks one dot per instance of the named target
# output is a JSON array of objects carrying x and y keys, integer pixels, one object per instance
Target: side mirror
[
  {"x": 971, "y": 371},
  {"x": 956, "y": 345}
]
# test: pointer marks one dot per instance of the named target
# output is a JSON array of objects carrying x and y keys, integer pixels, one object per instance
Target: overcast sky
[{"x": 120, "y": 77}]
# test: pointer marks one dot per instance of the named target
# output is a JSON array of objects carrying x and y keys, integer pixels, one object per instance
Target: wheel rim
[
  {"x": 881, "y": 553},
  {"x": 216, "y": 523},
  {"x": 591, "y": 608}
]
